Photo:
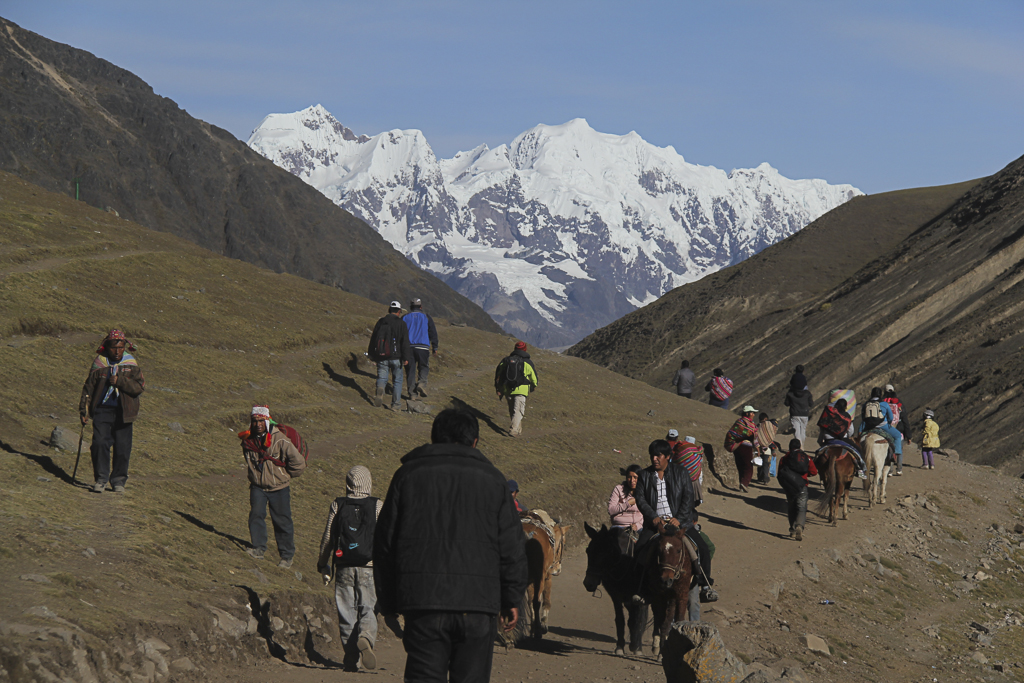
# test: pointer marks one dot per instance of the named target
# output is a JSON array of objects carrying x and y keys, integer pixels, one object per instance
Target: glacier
[{"x": 560, "y": 231}]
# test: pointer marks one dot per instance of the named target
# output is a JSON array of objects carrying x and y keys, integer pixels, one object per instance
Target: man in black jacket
[
  {"x": 449, "y": 554},
  {"x": 664, "y": 496},
  {"x": 800, "y": 403},
  {"x": 389, "y": 349}
]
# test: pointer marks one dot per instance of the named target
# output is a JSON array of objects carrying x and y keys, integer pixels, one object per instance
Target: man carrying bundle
[{"x": 835, "y": 424}]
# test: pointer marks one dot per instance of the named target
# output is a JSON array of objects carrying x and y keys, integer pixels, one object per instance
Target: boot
[
  {"x": 798, "y": 532},
  {"x": 378, "y": 397},
  {"x": 421, "y": 390}
]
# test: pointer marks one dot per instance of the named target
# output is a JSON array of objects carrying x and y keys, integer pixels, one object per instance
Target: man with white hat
[{"x": 389, "y": 349}]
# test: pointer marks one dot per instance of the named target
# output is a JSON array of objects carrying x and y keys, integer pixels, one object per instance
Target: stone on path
[
  {"x": 418, "y": 407},
  {"x": 810, "y": 570},
  {"x": 63, "y": 439},
  {"x": 816, "y": 644},
  {"x": 695, "y": 652},
  {"x": 38, "y": 578}
]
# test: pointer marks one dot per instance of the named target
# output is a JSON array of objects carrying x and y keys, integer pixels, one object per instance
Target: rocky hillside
[
  {"x": 921, "y": 288},
  {"x": 68, "y": 117},
  {"x": 558, "y": 232}
]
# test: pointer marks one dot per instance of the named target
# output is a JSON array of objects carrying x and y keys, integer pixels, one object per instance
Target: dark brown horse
[
  {"x": 836, "y": 469},
  {"x": 669, "y": 573},
  {"x": 621, "y": 576},
  {"x": 545, "y": 539}
]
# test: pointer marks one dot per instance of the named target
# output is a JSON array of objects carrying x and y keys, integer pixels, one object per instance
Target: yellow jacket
[{"x": 931, "y": 434}]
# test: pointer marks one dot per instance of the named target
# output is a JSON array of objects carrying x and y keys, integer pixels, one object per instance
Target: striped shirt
[{"x": 662, "y": 509}]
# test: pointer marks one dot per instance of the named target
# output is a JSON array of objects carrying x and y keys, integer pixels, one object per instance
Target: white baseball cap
[
  {"x": 395, "y": 304},
  {"x": 672, "y": 434},
  {"x": 690, "y": 439}
]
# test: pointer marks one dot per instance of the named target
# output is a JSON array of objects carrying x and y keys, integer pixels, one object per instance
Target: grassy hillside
[
  {"x": 933, "y": 308},
  {"x": 215, "y": 335}
]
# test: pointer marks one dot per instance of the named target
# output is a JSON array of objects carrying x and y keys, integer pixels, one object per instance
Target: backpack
[
  {"x": 384, "y": 344},
  {"x": 296, "y": 439},
  {"x": 512, "y": 371},
  {"x": 894, "y": 405},
  {"x": 356, "y": 521},
  {"x": 872, "y": 415},
  {"x": 798, "y": 463}
]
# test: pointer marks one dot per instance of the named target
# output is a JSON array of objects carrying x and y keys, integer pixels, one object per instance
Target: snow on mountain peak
[{"x": 560, "y": 231}]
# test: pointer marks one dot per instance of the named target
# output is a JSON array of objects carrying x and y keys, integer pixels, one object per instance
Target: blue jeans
[
  {"x": 395, "y": 368},
  {"x": 280, "y": 514},
  {"x": 898, "y": 446}
]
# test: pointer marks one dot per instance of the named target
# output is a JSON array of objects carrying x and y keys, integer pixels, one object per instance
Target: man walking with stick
[{"x": 111, "y": 398}]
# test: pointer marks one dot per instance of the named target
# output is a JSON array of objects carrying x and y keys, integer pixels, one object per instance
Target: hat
[
  {"x": 512, "y": 485},
  {"x": 690, "y": 439},
  {"x": 261, "y": 412},
  {"x": 673, "y": 434},
  {"x": 416, "y": 302},
  {"x": 115, "y": 335},
  {"x": 520, "y": 346},
  {"x": 395, "y": 304},
  {"x": 358, "y": 482},
  {"x": 889, "y": 387},
  {"x": 929, "y": 413},
  {"x": 749, "y": 409}
]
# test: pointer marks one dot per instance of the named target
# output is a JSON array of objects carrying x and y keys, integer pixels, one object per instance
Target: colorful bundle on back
[
  {"x": 743, "y": 430},
  {"x": 691, "y": 458},
  {"x": 721, "y": 387}
]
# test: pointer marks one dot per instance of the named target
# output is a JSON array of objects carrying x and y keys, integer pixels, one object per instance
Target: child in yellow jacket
[{"x": 930, "y": 440}]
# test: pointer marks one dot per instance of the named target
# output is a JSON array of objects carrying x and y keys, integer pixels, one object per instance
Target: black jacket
[
  {"x": 678, "y": 490},
  {"x": 393, "y": 326},
  {"x": 448, "y": 537},
  {"x": 800, "y": 403}
]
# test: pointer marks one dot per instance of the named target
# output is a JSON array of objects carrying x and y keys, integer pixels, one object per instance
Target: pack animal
[
  {"x": 544, "y": 543},
  {"x": 669, "y": 575},
  {"x": 621, "y": 575},
  {"x": 875, "y": 449},
  {"x": 837, "y": 471}
]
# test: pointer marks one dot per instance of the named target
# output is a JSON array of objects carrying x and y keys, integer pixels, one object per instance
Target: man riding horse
[{"x": 665, "y": 498}]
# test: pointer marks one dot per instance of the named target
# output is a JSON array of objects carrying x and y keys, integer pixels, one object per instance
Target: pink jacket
[{"x": 623, "y": 514}]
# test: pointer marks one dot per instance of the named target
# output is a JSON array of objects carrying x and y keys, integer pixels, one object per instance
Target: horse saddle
[{"x": 691, "y": 549}]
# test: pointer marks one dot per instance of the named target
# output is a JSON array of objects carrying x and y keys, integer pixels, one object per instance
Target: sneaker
[
  {"x": 792, "y": 533},
  {"x": 899, "y": 473},
  {"x": 378, "y": 398},
  {"x": 366, "y": 656},
  {"x": 798, "y": 534},
  {"x": 255, "y": 553},
  {"x": 708, "y": 594},
  {"x": 636, "y": 600},
  {"x": 119, "y": 488},
  {"x": 862, "y": 474},
  {"x": 421, "y": 391},
  {"x": 395, "y": 407},
  {"x": 743, "y": 488},
  {"x": 285, "y": 564},
  {"x": 99, "y": 486}
]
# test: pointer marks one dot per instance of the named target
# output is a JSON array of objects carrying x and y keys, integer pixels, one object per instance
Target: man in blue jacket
[{"x": 423, "y": 340}]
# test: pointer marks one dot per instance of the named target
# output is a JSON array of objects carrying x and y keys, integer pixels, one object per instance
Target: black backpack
[
  {"x": 513, "y": 372},
  {"x": 798, "y": 463},
  {"x": 356, "y": 521}
]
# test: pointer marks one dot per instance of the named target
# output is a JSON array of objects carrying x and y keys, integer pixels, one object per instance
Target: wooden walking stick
[{"x": 80, "y": 438}]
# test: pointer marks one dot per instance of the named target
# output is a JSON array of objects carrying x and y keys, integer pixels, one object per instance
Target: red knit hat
[
  {"x": 115, "y": 335},
  {"x": 520, "y": 346}
]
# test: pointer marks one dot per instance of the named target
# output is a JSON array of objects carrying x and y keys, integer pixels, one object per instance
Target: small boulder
[
  {"x": 62, "y": 439},
  {"x": 694, "y": 651},
  {"x": 949, "y": 453},
  {"x": 420, "y": 407},
  {"x": 1018, "y": 529},
  {"x": 176, "y": 427},
  {"x": 816, "y": 644},
  {"x": 979, "y": 658},
  {"x": 810, "y": 570},
  {"x": 36, "y": 578},
  {"x": 183, "y": 664},
  {"x": 231, "y": 625}
]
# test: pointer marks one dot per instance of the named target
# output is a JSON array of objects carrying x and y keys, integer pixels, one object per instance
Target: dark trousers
[
  {"x": 744, "y": 456},
  {"x": 280, "y": 503},
  {"x": 796, "y": 497},
  {"x": 108, "y": 429},
  {"x": 762, "y": 469},
  {"x": 704, "y": 553},
  {"x": 687, "y": 395},
  {"x": 449, "y": 646},
  {"x": 418, "y": 369}
]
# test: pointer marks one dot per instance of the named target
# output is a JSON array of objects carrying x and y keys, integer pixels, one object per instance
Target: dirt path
[{"x": 753, "y": 549}]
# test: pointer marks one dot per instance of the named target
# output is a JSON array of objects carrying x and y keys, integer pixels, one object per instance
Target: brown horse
[
  {"x": 545, "y": 539},
  {"x": 669, "y": 573},
  {"x": 836, "y": 469}
]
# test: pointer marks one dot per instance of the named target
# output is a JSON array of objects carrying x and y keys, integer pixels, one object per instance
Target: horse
[
  {"x": 621, "y": 576},
  {"x": 545, "y": 540},
  {"x": 875, "y": 449},
  {"x": 668, "y": 577},
  {"x": 836, "y": 471}
]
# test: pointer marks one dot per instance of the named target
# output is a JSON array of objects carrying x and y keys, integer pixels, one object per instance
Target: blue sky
[{"x": 882, "y": 95}]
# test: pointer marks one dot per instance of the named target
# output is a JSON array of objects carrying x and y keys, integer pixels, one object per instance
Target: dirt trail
[{"x": 753, "y": 551}]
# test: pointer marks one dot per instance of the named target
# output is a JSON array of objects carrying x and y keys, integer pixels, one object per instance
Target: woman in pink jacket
[{"x": 622, "y": 504}]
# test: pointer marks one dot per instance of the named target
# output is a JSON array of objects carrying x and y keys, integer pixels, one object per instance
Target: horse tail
[{"x": 830, "y": 486}]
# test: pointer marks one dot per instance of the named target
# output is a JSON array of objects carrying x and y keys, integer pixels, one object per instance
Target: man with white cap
[
  {"x": 389, "y": 349},
  {"x": 272, "y": 460},
  {"x": 346, "y": 549}
]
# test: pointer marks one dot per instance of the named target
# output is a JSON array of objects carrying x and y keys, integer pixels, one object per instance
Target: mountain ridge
[
  {"x": 556, "y": 233},
  {"x": 68, "y": 115}
]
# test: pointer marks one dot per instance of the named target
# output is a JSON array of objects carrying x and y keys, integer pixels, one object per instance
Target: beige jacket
[{"x": 264, "y": 473}]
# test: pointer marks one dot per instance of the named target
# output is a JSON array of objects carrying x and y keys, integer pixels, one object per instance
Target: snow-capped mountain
[{"x": 557, "y": 233}]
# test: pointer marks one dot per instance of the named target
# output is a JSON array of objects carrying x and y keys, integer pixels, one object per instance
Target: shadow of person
[
  {"x": 242, "y": 545},
  {"x": 478, "y": 414},
  {"x": 45, "y": 462},
  {"x": 353, "y": 367},
  {"x": 581, "y": 634},
  {"x": 347, "y": 382}
]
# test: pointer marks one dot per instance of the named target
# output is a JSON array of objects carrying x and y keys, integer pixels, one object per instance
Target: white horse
[{"x": 875, "y": 448}]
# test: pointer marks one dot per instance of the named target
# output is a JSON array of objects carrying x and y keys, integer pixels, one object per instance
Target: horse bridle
[{"x": 677, "y": 569}]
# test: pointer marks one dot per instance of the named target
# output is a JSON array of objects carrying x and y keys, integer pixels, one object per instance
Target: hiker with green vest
[{"x": 514, "y": 379}]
